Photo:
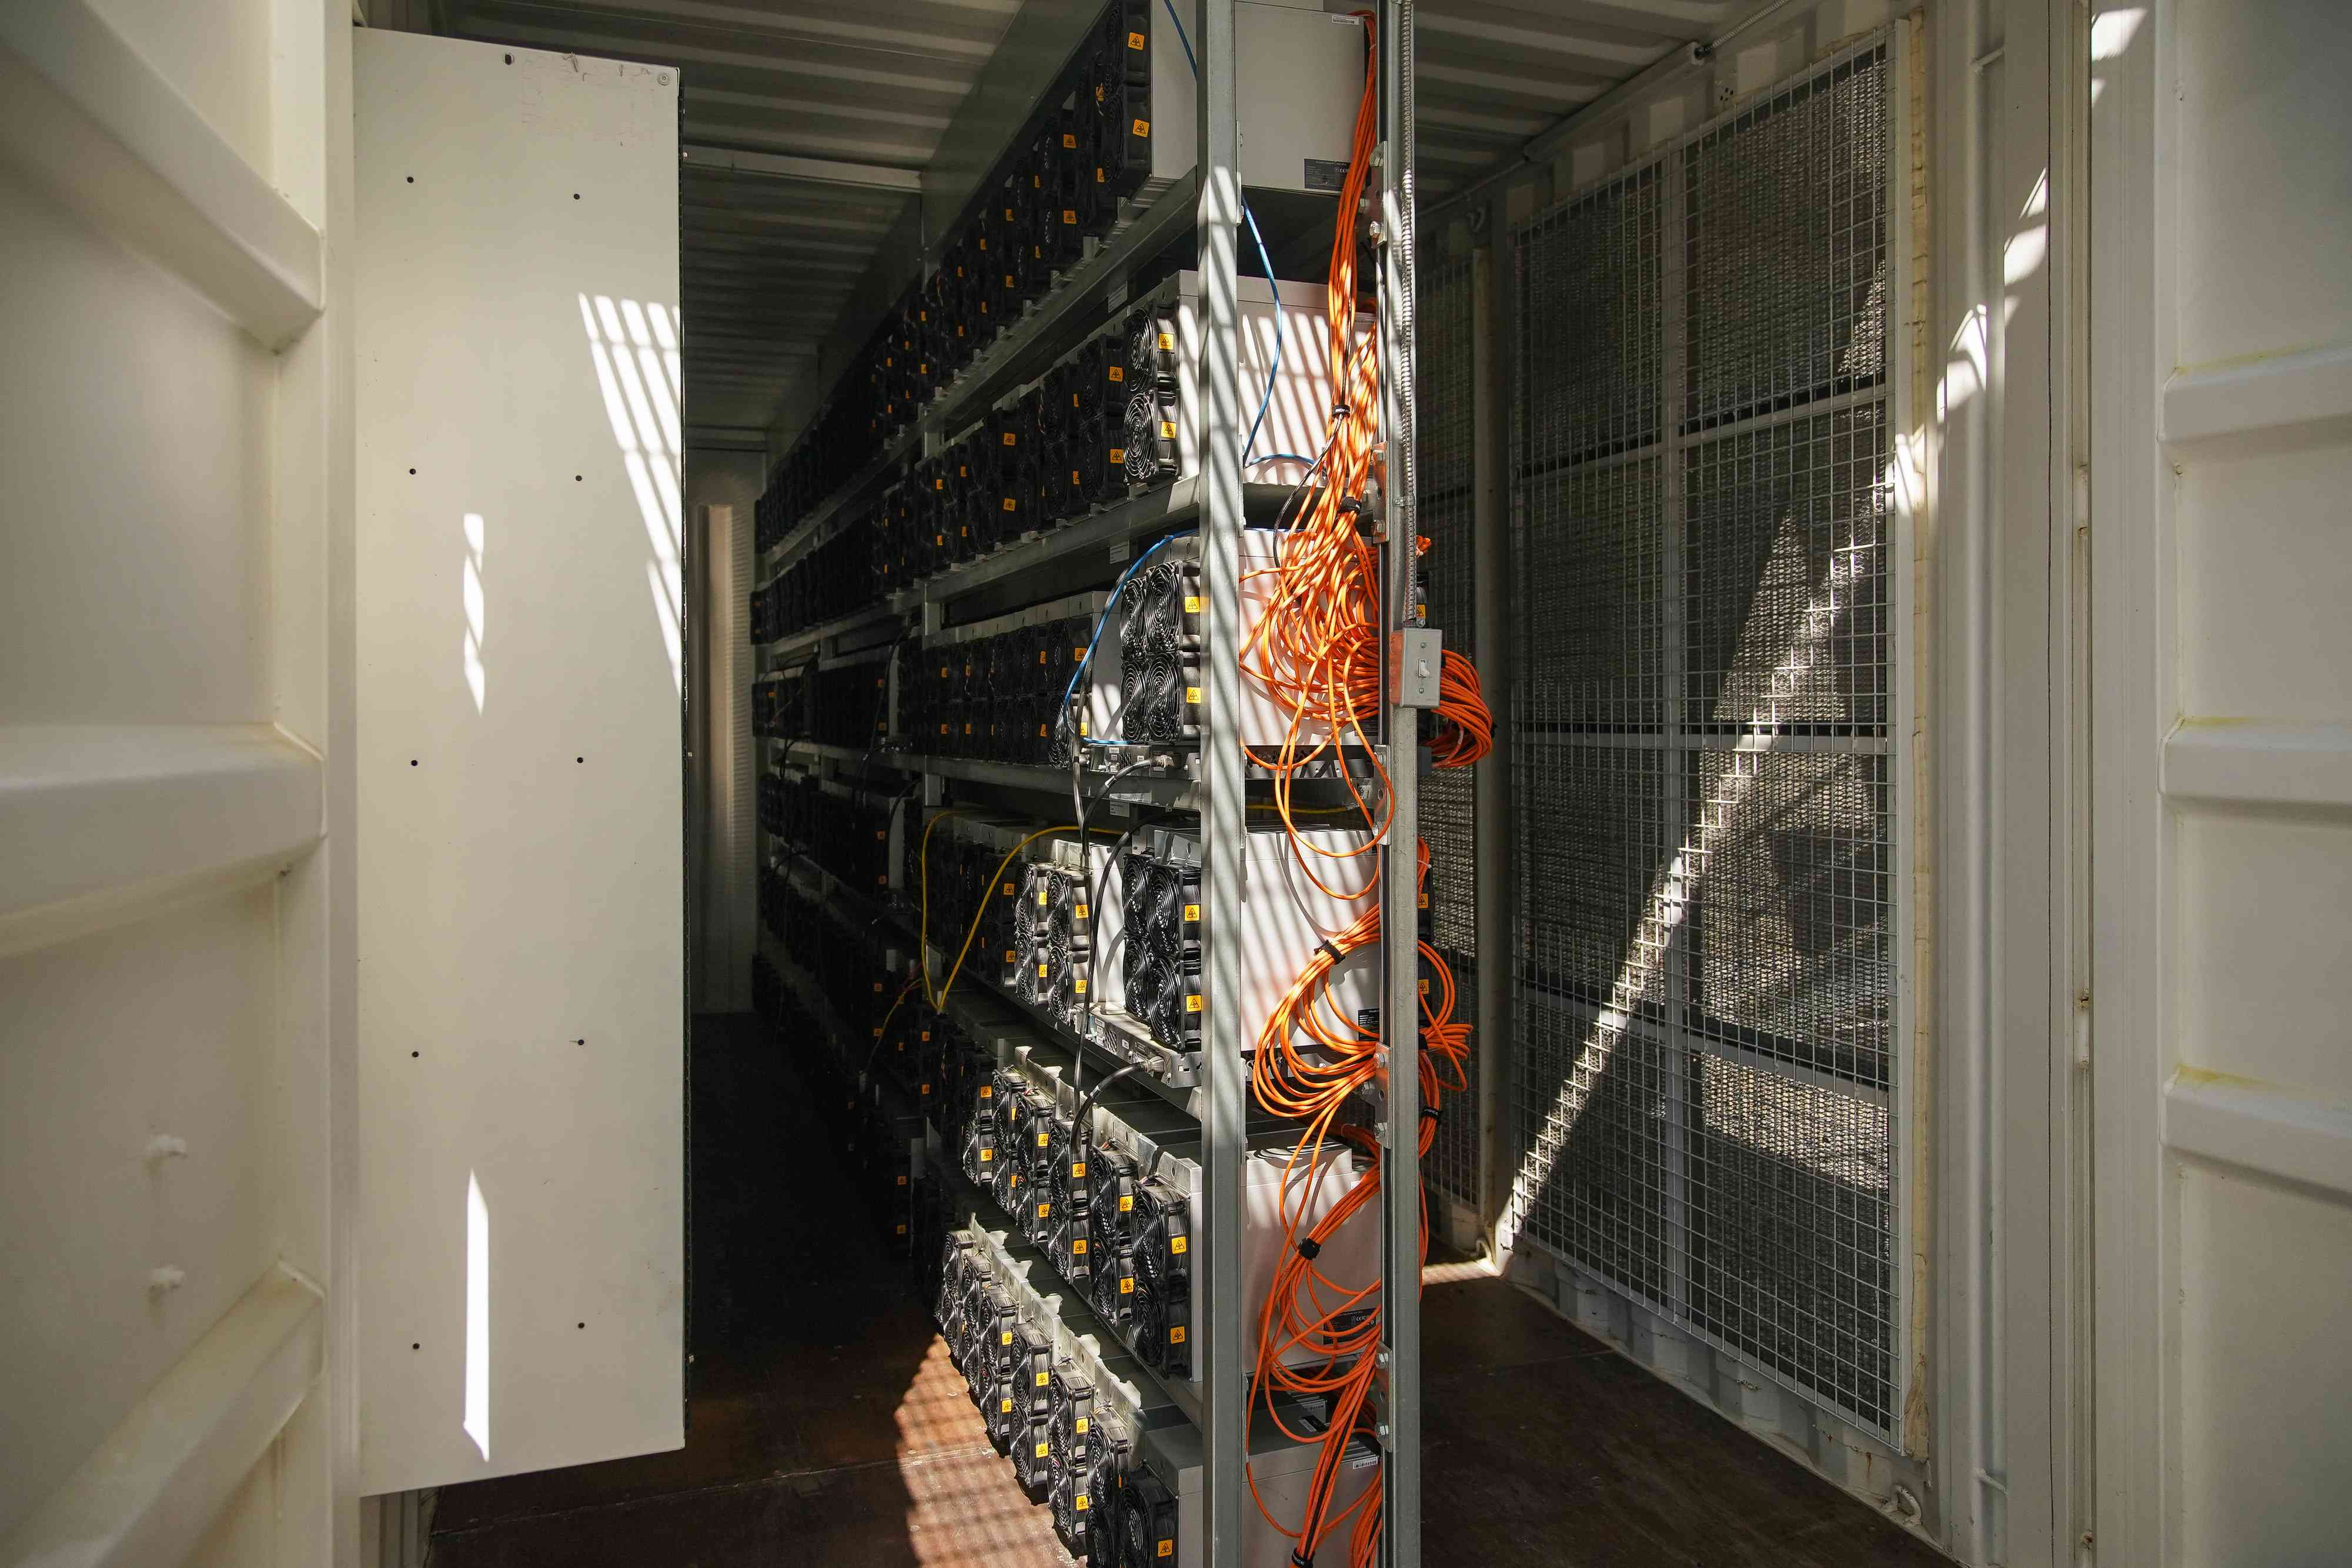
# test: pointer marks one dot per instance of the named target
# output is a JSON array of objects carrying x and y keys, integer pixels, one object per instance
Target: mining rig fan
[
  {"x": 954, "y": 1284},
  {"x": 1149, "y": 448},
  {"x": 1063, "y": 976},
  {"x": 1071, "y": 1244},
  {"x": 1163, "y": 1280},
  {"x": 1032, "y": 914},
  {"x": 1040, "y": 1138},
  {"x": 1144, "y": 1533},
  {"x": 1004, "y": 1403},
  {"x": 1162, "y": 954},
  {"x": 1010, "y": 1179},
  {"x": 981, "y": 1155},
  {"x": 1017, "y": 1427},
  {"x": 1118, "y": 83},
  {"x": 1080, "y": 1438}
]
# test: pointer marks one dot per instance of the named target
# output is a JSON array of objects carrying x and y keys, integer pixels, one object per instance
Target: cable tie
[
  {"x": 1298, "y": 1562},
  {"x": 1432, "y": 1114},
  {"x": 1326, "y": 945},
  {"x": 1309, "y": 1247}
]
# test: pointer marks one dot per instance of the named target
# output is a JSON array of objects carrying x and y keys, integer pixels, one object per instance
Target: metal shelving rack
[{"x": 1218, "y": 503}]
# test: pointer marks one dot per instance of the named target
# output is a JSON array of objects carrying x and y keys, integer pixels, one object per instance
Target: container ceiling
[{"x": 834, "y": 110}]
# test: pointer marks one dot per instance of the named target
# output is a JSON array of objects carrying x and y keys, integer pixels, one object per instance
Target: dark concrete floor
[
  {"x": 1541, "y": 1444},
  {"x": 827, "y": 1427}
]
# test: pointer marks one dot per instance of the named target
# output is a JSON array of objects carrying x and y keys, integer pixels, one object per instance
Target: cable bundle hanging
[{"x": 1316, "y": 649}]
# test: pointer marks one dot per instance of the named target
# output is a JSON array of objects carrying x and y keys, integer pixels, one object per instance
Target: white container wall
[
  {"x": 2221, "y": 346},
  {"x": 172, "y": 722}
]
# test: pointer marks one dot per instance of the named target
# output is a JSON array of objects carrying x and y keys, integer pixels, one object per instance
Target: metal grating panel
[
  {"x": 1591, "y": 1097},
  {"x": 1790, "y": 1212},
  {"x": 1591, "y": 355},
  {"x": 1594, "y": 585},
  {"x": 1705, "y": 969},
  {"x": 1785, "y": 278},
  {"x": 1785, "y": 583},
  {"x": 1593, "y": 864},
  {"x": 1444, "y": 450}
]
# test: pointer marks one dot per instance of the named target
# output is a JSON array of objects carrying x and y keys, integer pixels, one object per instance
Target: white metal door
[
  {"x": 2221, "y": 409},
  {"x": 519, "y": 673}
]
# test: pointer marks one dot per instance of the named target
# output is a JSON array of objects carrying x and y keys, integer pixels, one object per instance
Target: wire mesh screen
[
  {"x": 1445, "y": 452},
  {"x": 1705, "y": 957},
  {"x": 1785, "y": 281}
]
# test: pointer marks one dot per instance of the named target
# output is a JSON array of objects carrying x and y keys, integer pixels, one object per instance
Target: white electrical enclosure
[{"x": 521, "y": 967}]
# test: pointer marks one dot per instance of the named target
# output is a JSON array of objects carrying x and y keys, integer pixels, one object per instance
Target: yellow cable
[{"x": 923, "y": 932}]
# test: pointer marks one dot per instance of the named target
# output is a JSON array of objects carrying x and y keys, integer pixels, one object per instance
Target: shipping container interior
[{"x": 811, "y": 987}]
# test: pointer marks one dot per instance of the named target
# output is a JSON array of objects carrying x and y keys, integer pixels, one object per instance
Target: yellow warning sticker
[
  {"x": 1142, "y": 128},
  {"x": 1082, "y": 911},
  {"x": 1081, "y": 1426},
  {"x": 1135, "y": 40},
  {"x": 1078, "y": 1249},
  {"x": 1191, "y": 1004},
  {"x": 1126, "y": 1202},
  {"x": 1010, "y": 504},
  {"x": 1004, "y": 1405},
  {"x": 1167, "y": 1548},
  {"x": 1167, "y": 431},
  {"x": 986, "y": 1156},
  {"x": 1127, "y": 1286},
  {"x": 1118, "y": 454},
  {"x": 1078, "y": 983},
  {"x": 1192, "y": 914},
  {"x": 1191, "y": 605},
  {"x": 1077, "y": 1168},
  {"x": 1069, "y": 139},
  {"x": 1078, "y": 1504},
  {"x": 1041, "y": 1143},
  {"x": 1176, "y": 1244},
  {"x": 1007, "y": 1338},
  {"x": 1176, "y": 1335},
  {"x": 1118, "y": 372},
  {"x": 1192, "y": 695},
  {"x": 1041, "y": 1448},
  {"x": 1069, "y": 214}
]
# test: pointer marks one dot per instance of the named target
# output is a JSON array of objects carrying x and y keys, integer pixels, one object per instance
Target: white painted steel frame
[
  {"x": 1402, "y": 1208},
  {"x": 1227, "y": 1348}
]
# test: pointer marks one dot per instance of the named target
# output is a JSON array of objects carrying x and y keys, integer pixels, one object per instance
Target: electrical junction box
[
  {"x": 1416, "y": 659},
  {"x": 1299, "y": 76}
]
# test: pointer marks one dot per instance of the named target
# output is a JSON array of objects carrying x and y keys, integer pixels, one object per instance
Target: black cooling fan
[
  {"x": 1163, "y": 1282},
  {"x": 1147, "y": 1522},
  {"x": 1151, "y": 448},
  {"x": 1071, "y": 1245}
]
